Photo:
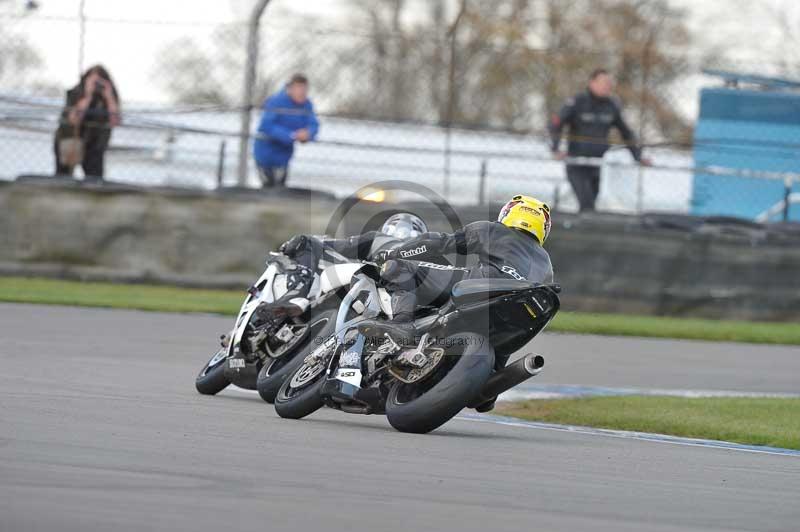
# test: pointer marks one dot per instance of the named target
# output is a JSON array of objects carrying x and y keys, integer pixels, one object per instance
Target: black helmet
[{"x": 404, "y": 225}]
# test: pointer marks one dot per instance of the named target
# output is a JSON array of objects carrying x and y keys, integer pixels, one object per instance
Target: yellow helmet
[{"x": 527, "y": 214}]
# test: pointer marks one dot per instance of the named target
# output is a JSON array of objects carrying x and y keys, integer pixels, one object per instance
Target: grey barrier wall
[{"x": 642, "y": 265}]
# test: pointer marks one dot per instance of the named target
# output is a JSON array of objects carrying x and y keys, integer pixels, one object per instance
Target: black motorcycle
[{"x": 459, "y": 361}]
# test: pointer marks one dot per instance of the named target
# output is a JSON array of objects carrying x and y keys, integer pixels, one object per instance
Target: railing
[{"x": 484, "y": 166}]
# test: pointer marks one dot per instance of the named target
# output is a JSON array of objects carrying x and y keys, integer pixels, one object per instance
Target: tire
[
  {"x": 448, "y": 396},
  {"x": 212, "y": 381},
  {"x": 274, "y": 372},
  {"x": 296, "y": 403}
]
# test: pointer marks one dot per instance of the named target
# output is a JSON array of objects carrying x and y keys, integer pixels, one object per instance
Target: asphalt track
[{"x": 101, "y": 429}]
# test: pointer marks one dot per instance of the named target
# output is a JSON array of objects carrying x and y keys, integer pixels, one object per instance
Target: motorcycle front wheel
[
  {"x": 299, "y": 395},
  {"x": 211, "y": 380},
  {"x": 424, "y": 406},
  {"x": 275, "y": 371}
]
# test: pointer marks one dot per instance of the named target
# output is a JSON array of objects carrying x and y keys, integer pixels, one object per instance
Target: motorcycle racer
[
  {"x": 510, "y": 248},
  {"x": 308, "y": 250}
]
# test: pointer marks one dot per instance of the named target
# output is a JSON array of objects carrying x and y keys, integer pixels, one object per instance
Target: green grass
[
  {"x": 128, "y": 296},
  {"x": 752, "y": 421},
  {"x": 687, "y": 328},
  {"x": 172, "y": 299}
]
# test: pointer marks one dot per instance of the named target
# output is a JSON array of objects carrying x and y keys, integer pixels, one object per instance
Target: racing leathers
[
  {"x": 359, "y": 247},
  {"x": 502, "y": 252},
  {"x": 307, "y": 251}
]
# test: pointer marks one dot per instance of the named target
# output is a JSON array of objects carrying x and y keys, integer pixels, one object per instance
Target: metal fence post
[
  {"x": 221, "y": 164},
  {"x": 639, "y": 190},
  {"x": 247, "y": 89},
  {"x": 451, "y": 95},
  {"x": 556, "y": 197},
  {"x": 482, "y": 183},
  {"x": 446, "y": 179},
  {"x": 787, "y": 196},
  {"x": 81, "y": 35}
]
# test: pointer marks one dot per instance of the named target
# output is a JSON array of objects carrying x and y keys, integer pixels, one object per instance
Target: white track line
[
  {"x": 631, "y": 435},
  {"x": 625, "y": 434},
  {"x": 560, "y": 391}
]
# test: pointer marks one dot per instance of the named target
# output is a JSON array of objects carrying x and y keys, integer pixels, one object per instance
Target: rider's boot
[
  {"x": 402, "y": 332},
  {"x": 401, "y": 327}
]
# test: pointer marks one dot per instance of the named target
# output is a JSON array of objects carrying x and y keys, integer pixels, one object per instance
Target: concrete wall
[
  {"x": 605, "y": 263},
  {"x": 134, "y": 234}
]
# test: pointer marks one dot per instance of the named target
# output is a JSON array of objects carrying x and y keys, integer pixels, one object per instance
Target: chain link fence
[{"x": 457, "y": 97}]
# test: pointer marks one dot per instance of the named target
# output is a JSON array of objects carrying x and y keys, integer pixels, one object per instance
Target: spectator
[
  {"x": 84, "y": 130},
  {"x": 590, "y": 116},
  {"x": 288, "y": 117}
]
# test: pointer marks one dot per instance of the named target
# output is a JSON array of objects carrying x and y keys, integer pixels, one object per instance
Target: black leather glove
[{"x": 293, "y": 245}]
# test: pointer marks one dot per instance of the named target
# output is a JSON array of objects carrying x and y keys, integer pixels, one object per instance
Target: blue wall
[{"x": 749, "y": 130}]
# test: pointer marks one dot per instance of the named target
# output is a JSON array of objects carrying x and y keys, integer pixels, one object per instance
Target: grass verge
[
  {"x": 757, "y": 332},
  {"x": 752, "y": 421},
  {"x": 173, "y": 299},
  {"x": 125, "y": 296}
]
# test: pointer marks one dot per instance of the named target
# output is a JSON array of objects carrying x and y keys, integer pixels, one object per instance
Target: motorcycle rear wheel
[{"x": 422, "y": 407}]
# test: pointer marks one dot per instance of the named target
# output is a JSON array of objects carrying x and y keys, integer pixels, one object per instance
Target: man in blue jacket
[{"x": 288, "y": 117}]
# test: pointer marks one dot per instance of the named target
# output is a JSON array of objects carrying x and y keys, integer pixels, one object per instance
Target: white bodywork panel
[
  {"x": 270, "y": 278},
  {"x": 338, "y": 275},
  {"x": 274, "y": 283},
  {"x": 349, "y": 375}
]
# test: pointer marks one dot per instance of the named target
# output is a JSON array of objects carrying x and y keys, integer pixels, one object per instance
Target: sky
[{"x": 127, "y": 35}]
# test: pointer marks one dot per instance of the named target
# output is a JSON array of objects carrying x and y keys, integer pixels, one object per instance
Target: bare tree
[
  {"x": 20, "y": 62},
  {"x": 786, "y": 17},
  {"x": 505, "y": 64},
  {"x": 193, "y": 75}
]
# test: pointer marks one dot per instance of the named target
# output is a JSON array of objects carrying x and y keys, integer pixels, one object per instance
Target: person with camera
[{"x": 91, "y": 111}]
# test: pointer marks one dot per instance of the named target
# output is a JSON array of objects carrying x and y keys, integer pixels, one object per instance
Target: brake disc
[{"x": 306, "y": 374}]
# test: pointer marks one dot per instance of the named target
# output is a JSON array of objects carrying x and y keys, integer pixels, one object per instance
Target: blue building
[{"x": 750, "y": 125}]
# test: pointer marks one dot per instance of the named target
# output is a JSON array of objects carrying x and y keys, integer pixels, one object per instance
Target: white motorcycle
[{"x": 257, "y": 355}]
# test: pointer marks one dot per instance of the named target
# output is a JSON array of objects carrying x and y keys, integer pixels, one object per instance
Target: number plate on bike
[{"x": 235, "y": 363}]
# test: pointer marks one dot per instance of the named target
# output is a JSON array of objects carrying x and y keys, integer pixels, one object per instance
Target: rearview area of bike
[{"x": 420, "y": 387}]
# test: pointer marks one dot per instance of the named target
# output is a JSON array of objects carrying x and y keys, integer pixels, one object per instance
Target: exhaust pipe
[{"x": 508, "y": 377}]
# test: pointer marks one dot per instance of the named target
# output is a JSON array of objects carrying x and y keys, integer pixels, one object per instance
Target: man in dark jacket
[
  {"x": 590, "y": 115},
  {"x": 288, "y": 117}
]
